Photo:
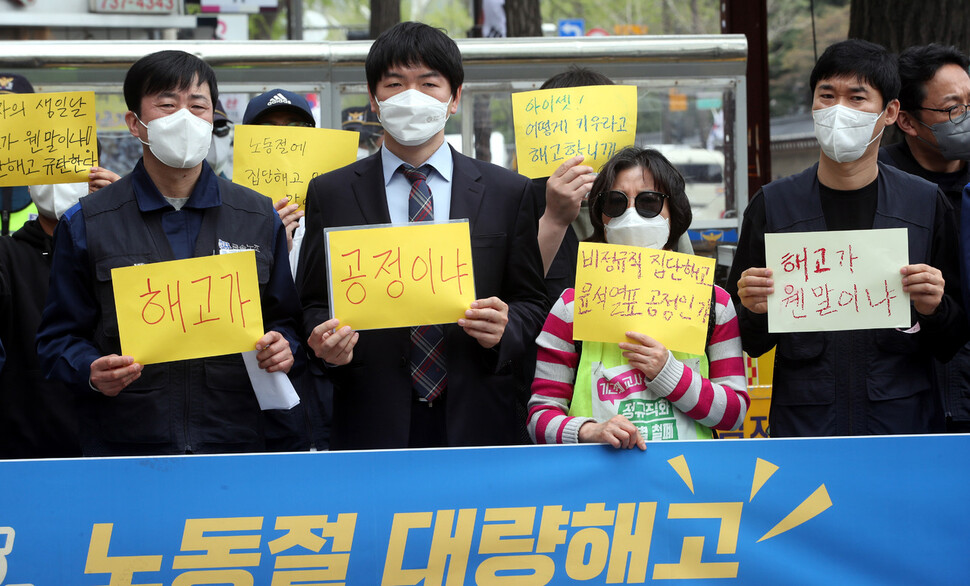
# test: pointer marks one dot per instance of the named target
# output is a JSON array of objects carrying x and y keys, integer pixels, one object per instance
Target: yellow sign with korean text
[
  {"x": 841, "y": 280},
  {"x": 192, "y": 308},
  {"x": 47, "y": 138},
  {"x": 552, "y": 126},
  {"x": 280, "y": 161},
  {"x": 665, "y": 295},
  {"x": 397, "y": 276}
]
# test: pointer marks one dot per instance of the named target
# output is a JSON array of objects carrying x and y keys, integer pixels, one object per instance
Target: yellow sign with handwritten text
[
  {"x": 192, "y": 308},
  {"x": 280, "y": 161},
  {"x": 47, "y": 138},
  {"x": 552, "y": 126},
  {"x": 665, "y": 295},
  {"x": 397, "y": 276}
]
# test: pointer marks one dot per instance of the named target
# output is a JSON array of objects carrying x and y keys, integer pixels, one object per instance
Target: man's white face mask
[
  {"x": 53, "y": 200},
  {"x": 180, "y": 140},
  {"x": 844, "y": 133},
  {"x": 412, "y": 117}
]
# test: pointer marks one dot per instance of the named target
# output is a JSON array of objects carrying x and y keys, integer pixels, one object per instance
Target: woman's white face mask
[{"x": 632, "y": 229}]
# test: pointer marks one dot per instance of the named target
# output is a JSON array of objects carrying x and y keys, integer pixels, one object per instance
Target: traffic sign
[{"x": 571, "y": 27}]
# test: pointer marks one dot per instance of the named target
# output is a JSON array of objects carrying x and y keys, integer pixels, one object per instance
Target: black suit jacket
[{"x": 372, "y": 395}]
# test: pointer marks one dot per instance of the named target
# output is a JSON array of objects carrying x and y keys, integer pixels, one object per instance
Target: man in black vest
[
  {"x": 934, "y": 122},
  {"x": 854, "y": 382},
  {"x": 172, "y": 206}
]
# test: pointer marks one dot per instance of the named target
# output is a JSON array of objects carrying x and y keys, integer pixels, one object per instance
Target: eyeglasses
[
  {"x": 647, "y": 203},
  {"x": 957, "y": 113}
]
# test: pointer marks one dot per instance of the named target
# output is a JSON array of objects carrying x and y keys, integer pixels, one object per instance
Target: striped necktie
[{"x": 428, "y": 373}]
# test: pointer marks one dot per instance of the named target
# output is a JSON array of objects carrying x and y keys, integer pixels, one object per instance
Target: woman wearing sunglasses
[{"x": 638, "y": 200}]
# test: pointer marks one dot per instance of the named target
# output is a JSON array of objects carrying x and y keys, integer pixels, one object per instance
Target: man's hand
[
  {"x": 925, "y": 287},
  {"x": 274, "y": 353},
  {"x": 99, "y": 177},
  {"x": 754, "y": 286},
  {"x": 334, "y": 346},
  {"x": 112, "y": 373},
  {"x": 486, "y": 321},
  {"x": 618, "y": 432},
  {"x": 646, "y": 355},
  {"x": 290, "y": 218},
  {"x": 566, "y": 189}
]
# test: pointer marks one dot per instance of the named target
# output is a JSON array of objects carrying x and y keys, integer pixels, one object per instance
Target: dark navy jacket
[
  {"x": 204, "y": 405},
  {"x": 861, "y": 381}
]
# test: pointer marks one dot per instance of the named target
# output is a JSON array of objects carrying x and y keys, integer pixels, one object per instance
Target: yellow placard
[
  {"x": 280, "y": 161},
  {"x": 665, "y": 295},
  {"x": 47, "y": 138},
  {"x": 192, "y": 308},
  {"x": 390, "y": 277},
  {"x": 552, "y": 126}
]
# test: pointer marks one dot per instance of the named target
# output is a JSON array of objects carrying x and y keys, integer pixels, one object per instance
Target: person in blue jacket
[{"x": 172, "y": 206}]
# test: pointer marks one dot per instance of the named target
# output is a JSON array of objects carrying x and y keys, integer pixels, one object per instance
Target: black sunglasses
[{"x": 647, "y": 203}]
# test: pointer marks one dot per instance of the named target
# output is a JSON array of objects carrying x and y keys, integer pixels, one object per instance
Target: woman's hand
[
  {"x": 618, "y": 432},
  {"x": 646, "y": 354}
]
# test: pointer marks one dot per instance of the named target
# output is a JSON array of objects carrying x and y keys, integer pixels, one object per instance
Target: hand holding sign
[
  {"x": 111, "y": 374},
  {"x": 925, "y": 287}
]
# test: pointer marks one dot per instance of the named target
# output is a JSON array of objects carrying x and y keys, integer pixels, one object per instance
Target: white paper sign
[{"x": 840, "y": 280}]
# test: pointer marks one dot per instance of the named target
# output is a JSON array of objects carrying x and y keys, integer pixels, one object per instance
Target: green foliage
[{"x": 790, "y": 50}]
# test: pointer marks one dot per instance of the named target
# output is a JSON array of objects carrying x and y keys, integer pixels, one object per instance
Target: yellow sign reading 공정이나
[
  {"x": 47, "y": 138},
  {"x": 397, "y": 276},
  {"x": 191, "y": 308},
  {"x": 665, "y": 295},
  {"x": 552, "y": 126}
]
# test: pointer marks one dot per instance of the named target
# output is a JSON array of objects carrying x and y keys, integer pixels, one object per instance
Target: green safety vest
[{"x": 606, "y": 385}]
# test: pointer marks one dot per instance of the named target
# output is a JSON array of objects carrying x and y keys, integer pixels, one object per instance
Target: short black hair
[
  {"x": 166, "y": 71},
  {"x": 862, "y": 60},
  {"x": 575, "y": 76},
  {"x": 667, "y": 179},
  {"x": 410, "y": 44},
  {"x": 918, "y": 65}
]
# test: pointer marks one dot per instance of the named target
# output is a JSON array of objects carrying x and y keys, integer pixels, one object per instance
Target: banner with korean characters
[
  {"x": 47, "y": 138},
  {"x": 665, "y": 295},
  {"x": 552, "y": 126},
  {"x": 840, "y": 280},
  {"x": 867, "y": 510},
  {"x": 280, "y": 161},
  {"x": 388, "y": 276}
]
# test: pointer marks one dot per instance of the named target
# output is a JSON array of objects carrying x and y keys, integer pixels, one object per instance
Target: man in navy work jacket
[
  {"x": 859, "y": 381},
  {"x": 454, "y": 386},
  {"x": 171, "y": 206}
]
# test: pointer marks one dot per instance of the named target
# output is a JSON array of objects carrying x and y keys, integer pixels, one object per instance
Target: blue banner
[{"x": 876, "y": 510}]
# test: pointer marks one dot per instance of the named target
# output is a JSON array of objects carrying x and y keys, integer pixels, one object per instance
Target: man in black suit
[{"x": 414, "y": 78}]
